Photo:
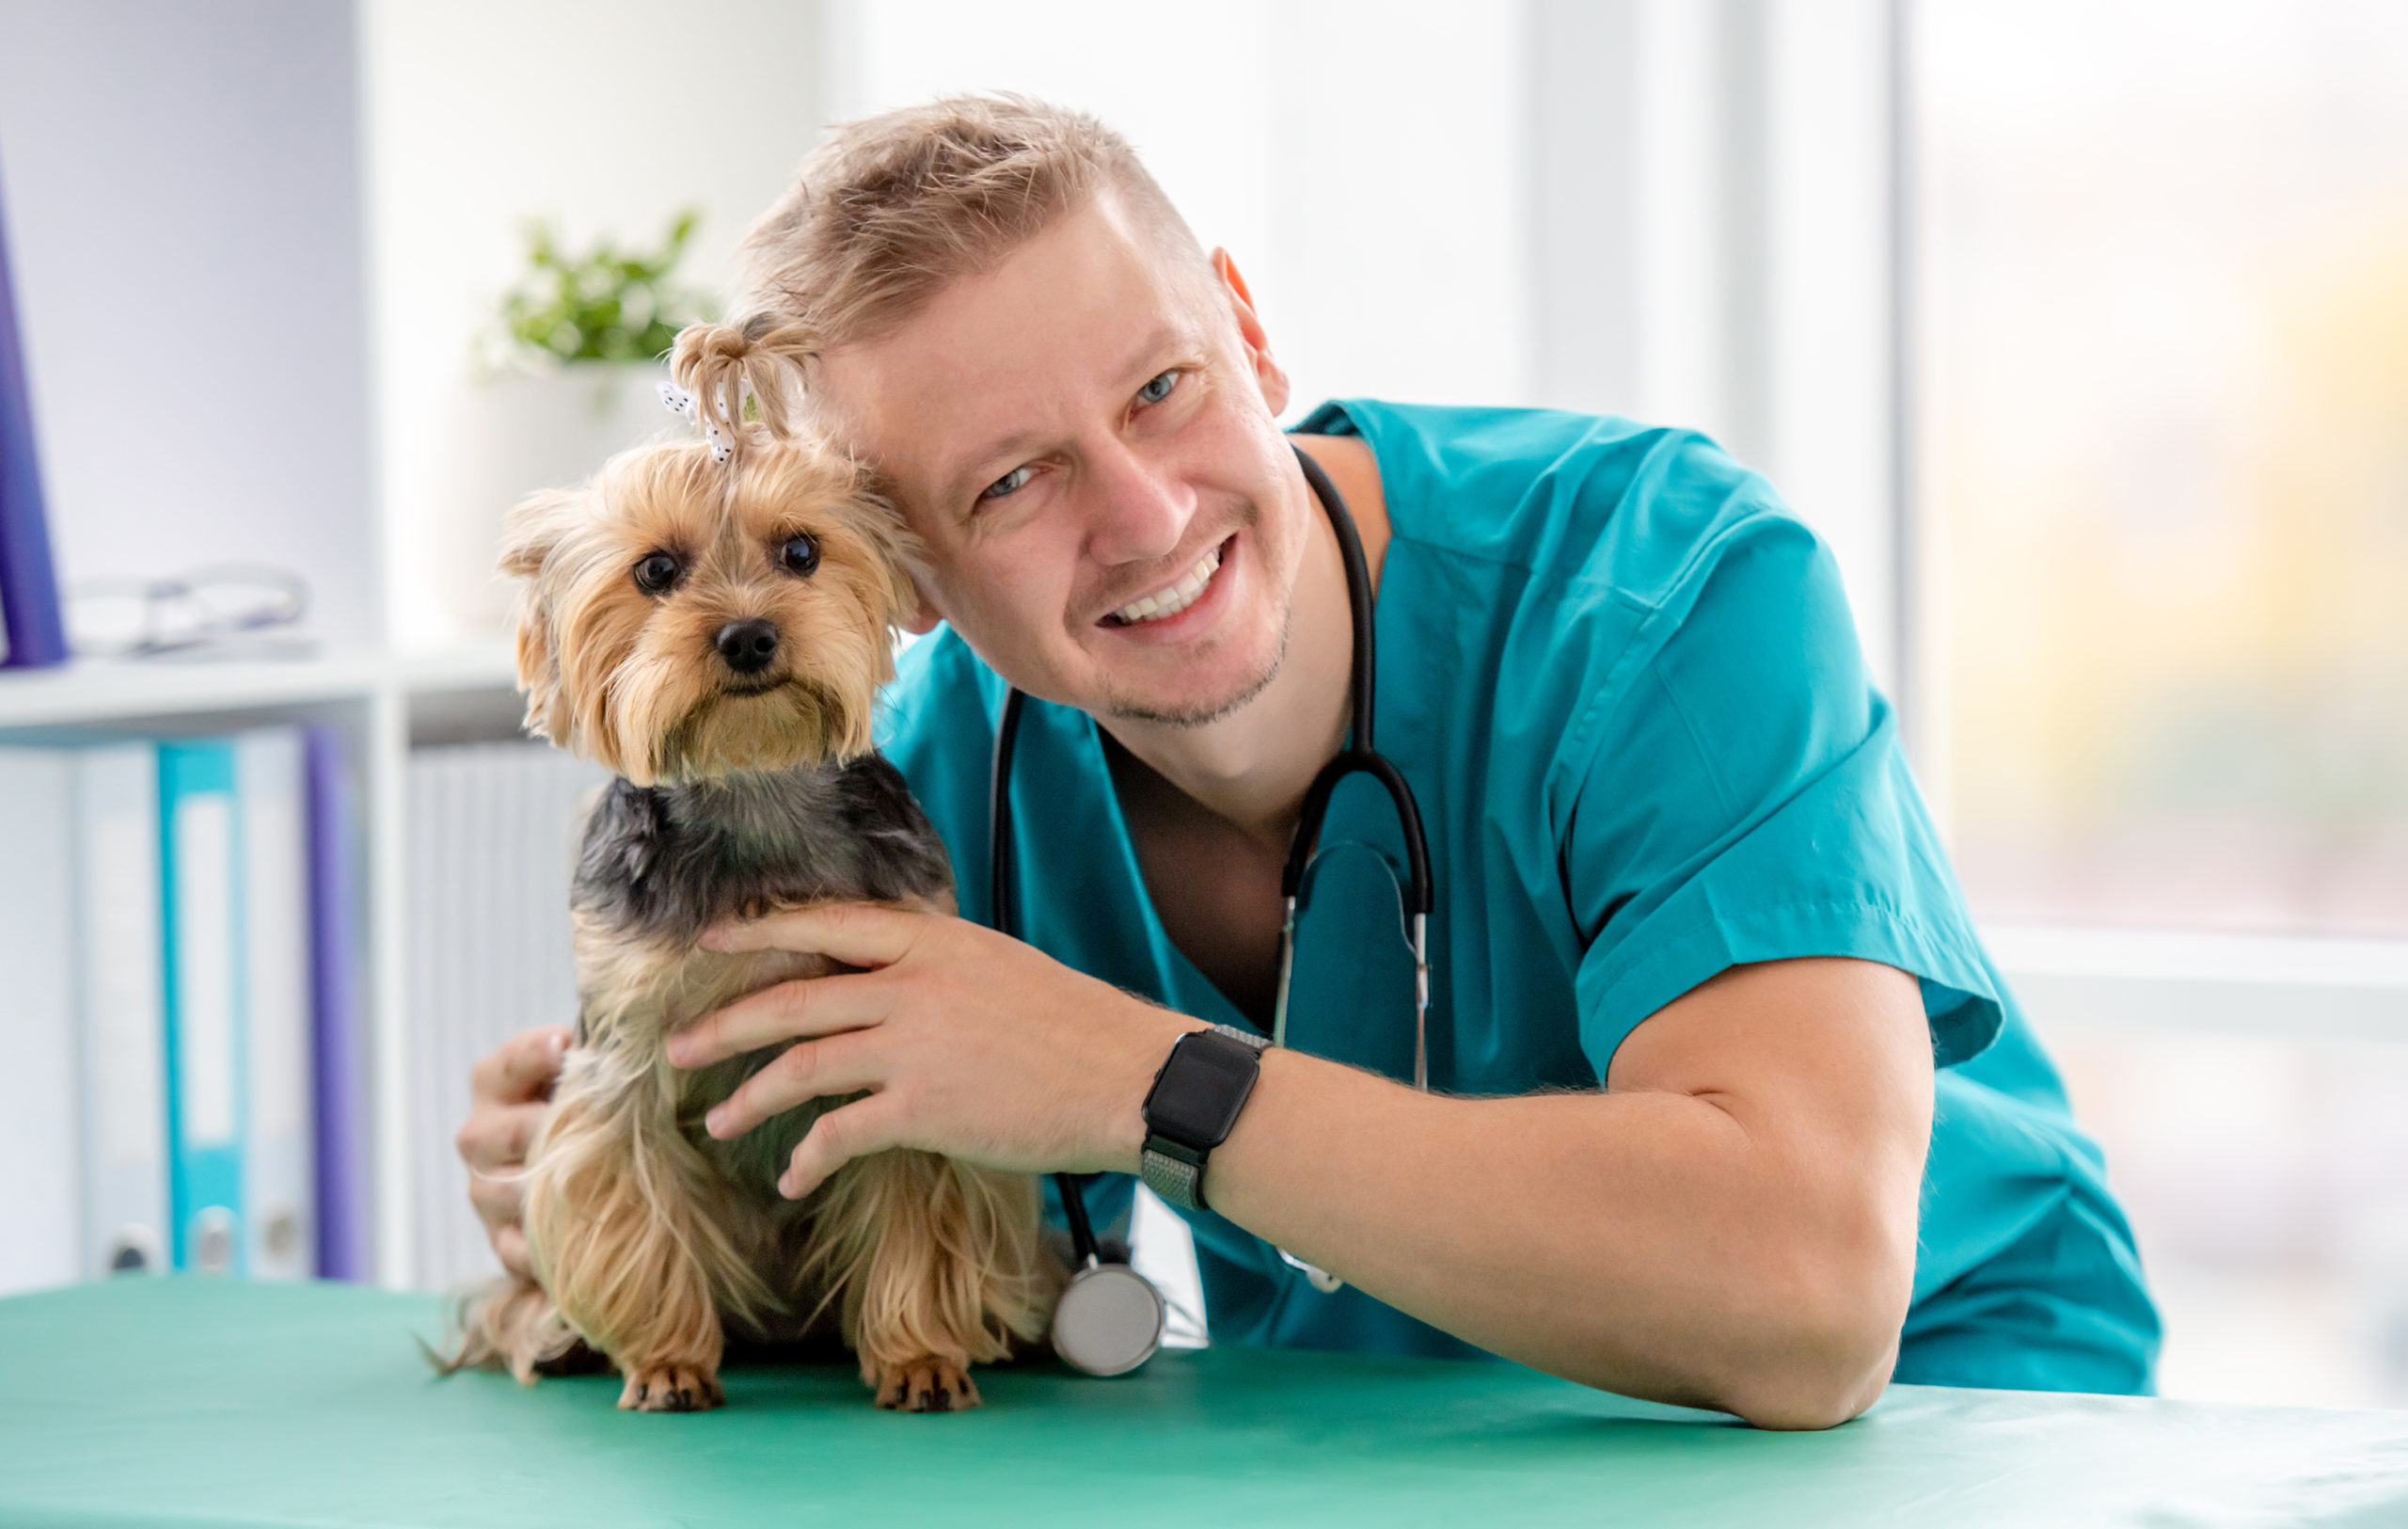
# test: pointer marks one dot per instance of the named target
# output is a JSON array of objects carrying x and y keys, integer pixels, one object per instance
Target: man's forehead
[{"x": 1012, "y": 356}]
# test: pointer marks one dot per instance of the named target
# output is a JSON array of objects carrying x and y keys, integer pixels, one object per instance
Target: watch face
[{"x": 1202, "y": 1087}]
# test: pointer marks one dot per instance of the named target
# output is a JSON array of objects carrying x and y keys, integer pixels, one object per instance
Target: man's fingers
[
  {"x": 803, "y": 1007},
  {"x": 510, "y": 1246},
  {"x": 498, "y": 1201},
  {"x": 856, "y": 934},
  {"x": 496, "y": 1137},
  {"x": 499, "y": 1204},
  {"x": 522, "y": 1069},
  {"x": 509, "y": 1087},
  {"x": 807, "y": 1070},
  {"x": 862, "y": 1127}
]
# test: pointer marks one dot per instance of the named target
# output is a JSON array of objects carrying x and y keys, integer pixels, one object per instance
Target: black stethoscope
[{"x": 1110, "y": 1319}]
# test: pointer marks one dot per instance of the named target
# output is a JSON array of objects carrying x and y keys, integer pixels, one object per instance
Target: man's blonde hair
[{"x": 892, "y": 208}]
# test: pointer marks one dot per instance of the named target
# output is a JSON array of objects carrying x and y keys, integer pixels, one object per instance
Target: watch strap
[{"x": 1176, "y": 1179}]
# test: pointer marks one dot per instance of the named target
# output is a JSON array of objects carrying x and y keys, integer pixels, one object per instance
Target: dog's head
[{"x": 685, "y": 618}]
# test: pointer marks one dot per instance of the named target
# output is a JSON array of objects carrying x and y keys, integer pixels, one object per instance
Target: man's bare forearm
[{"x": 1711, "y": 1251}]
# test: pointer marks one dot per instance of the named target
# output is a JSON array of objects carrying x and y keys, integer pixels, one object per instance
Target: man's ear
[
  {"x": 920, "y": 617},
  {"x": 1267, "y": 370}
]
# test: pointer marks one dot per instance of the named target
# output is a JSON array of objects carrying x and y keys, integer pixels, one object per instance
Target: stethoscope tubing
[
  {"x": 1362, "y": 753},
  {"x": 1360, "y": 756}
]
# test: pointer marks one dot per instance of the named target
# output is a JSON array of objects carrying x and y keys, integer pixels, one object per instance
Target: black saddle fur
[{"x": 668, "y": 861}]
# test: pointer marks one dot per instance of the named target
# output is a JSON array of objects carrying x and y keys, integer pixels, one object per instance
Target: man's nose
[{"x": 1142, "y": 506}]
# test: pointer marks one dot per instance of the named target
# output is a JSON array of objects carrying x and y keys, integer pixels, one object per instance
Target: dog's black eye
[
  {"x": 657, "y": 573},
  {"x": 800, "y": 555}
]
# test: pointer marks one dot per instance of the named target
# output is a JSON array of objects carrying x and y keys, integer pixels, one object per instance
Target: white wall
[
  {"x": 1362, "y": 161},
  {"x": 1826, "y": 311},
  {"x": 606, "y": 115},
  {"x": 1581, "y": 180},
  {"x": 182, "y": 189}
]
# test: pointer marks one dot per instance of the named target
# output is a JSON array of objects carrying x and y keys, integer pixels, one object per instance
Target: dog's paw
[
  {"x": 671, "y": 1388},
  {"x": 926, "y": 1385}
]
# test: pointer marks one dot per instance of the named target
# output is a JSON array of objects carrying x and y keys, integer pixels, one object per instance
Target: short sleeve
[{"x": 1746, "y": 799}]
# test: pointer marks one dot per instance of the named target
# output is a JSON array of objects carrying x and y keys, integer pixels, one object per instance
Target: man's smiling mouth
[{"x": 1169, "y": 602}]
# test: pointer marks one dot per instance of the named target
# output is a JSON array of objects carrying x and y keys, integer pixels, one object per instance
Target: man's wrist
[{"x": 1121, "y": 1112}]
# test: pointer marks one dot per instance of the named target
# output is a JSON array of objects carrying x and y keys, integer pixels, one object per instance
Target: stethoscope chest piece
[{"x": 1109, "y": 1321}]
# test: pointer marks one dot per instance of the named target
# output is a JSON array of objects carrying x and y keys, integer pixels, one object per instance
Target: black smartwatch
[{"x": 1194, "y": 1101}]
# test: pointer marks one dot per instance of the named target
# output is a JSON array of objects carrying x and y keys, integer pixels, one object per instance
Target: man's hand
[
  {"x": 968, "y": 1043},
  {"x": 510, "y": 1096}
]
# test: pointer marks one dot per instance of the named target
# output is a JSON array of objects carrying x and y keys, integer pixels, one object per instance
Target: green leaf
[{"x": 607, "y": 304}]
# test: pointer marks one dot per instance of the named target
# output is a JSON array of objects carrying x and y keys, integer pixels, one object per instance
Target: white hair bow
[{"x": 681, "y": 402}]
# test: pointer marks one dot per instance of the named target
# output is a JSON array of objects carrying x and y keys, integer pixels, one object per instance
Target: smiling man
[{"x": 1700, "y": 970}]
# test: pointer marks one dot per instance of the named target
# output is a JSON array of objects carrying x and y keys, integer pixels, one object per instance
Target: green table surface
[{"x": 183, "y": 1401}]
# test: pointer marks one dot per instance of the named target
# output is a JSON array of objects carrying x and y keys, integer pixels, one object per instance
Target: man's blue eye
[
  {"x": 1010, "y": 483},
  {"x": 1159, "y": 389}
]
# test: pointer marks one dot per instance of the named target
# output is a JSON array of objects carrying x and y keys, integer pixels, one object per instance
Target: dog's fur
[{"x": 738, "y": 795}]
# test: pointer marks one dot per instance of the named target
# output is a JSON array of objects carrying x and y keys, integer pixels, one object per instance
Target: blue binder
[
  {"x": 201, "y": 852},
  {"x": 31, "y": 632}
]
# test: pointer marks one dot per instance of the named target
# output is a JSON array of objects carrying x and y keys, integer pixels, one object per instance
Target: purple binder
[
  {"x": 339, "y": 1081},
  {"x": 28, "y": 587}
]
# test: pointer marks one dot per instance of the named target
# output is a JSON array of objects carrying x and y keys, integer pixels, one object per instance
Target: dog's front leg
[
  {"x": 617, "y": 1242},
  {"x": 941, "y": 1266}
]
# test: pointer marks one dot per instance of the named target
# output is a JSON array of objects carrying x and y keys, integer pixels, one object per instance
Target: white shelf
[{"x": 93, "y": 693}]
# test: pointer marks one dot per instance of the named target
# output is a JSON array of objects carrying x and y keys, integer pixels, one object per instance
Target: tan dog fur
[{"x": 650, "y": 1239}]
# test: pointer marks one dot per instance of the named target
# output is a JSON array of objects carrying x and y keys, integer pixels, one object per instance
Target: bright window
[{"x": 2163, "y": 255}]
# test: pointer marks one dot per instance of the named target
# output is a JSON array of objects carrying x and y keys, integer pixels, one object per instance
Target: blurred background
[{"x": 2081, "y": 330}]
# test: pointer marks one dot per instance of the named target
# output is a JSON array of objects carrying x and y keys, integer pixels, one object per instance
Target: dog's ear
[
  {"x": 900, "y": 556},
  {"x": 536, "y": 526},
  {"x": 530, "y": 535},
  {"x": 539, "y": 672}
]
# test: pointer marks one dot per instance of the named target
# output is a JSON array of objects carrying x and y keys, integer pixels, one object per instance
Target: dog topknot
[{"x": 723, "y": 365}]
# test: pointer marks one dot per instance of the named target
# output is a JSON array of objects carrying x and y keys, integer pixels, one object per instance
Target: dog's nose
[{"x": 748, "y": 645}]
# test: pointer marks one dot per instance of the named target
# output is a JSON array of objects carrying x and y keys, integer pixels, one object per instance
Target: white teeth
[{"x": 1177, "y": 598}]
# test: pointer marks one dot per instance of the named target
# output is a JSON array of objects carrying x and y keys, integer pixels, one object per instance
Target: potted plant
[{"x": 564, "y": 377}]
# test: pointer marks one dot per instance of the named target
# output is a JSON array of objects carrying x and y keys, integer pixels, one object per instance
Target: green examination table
[{"x": 179, "y": 1401}]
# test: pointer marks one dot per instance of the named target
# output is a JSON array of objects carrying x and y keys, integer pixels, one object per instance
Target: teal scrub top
[{"x": 1624, "y": 682}]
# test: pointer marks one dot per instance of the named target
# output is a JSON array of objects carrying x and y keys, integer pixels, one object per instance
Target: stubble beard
[{"x": 1204, "y": 716}]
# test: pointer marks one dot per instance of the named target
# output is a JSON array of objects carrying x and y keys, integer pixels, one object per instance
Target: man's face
[{"x": 1086, "y": 439}]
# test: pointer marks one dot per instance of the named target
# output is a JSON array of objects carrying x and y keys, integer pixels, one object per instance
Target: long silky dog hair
[{"x": 711, "y": 620}]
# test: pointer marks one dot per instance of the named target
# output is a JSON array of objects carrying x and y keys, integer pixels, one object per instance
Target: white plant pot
[{"x": 510, "y": 437}]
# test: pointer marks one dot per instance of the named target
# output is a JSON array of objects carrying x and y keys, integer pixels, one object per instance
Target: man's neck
[{"x": 1253, "y": 768}]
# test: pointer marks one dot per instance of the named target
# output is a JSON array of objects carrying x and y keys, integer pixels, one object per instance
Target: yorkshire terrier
[{"x": 711, "y": 620}]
